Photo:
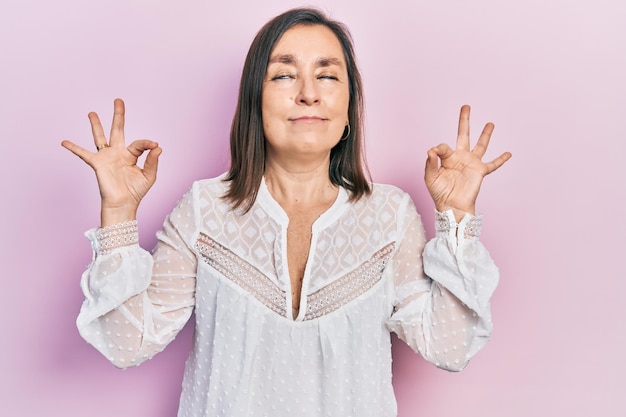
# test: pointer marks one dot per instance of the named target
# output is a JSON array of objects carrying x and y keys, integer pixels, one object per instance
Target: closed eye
[{"x": 282, "y": 77}]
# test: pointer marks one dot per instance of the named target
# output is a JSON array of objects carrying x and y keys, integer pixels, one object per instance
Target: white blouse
[{"x": 369, "y": 273}]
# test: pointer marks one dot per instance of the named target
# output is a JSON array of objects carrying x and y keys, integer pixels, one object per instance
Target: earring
[{"x": 344, "y": 137}]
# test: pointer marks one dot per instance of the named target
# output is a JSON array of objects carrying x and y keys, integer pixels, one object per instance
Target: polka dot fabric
[{"x": 370, "y": 272}]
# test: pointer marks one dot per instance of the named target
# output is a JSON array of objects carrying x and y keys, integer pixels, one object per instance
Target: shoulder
[
  {"x": 387, "y": 189},
  {"x": 207, "y": 197},
  {"x": 202, "y": 193},
  {"x": 383, "y": 214},
  {"x": 389, "y": 195},
  {"x": 392, "y": 199},
  {"x": 210, "y": 186},
  {"x": 384, "y": 202}
]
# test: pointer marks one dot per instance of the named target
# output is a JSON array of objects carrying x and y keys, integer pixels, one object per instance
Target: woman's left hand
[{"x": 453, "y": 177}]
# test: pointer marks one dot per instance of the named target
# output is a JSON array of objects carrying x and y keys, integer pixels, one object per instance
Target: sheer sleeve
[
  {"x": 442, "y": 289},
  {"x": 136, "y": 302}
]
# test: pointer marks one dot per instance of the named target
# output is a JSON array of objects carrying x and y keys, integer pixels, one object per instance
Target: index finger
[
  {"x": 463, "y": 135},
  {"x": 117, "y": 126}
]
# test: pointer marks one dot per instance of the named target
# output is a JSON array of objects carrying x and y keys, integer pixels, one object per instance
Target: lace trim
[
  {"x": 242, "y": 273},
  {"x": 323, "y": 301},
  {"x": 117, "y": 235},
  {"x": 472, "y": 228},
  {"x": 348, "y": 287}
]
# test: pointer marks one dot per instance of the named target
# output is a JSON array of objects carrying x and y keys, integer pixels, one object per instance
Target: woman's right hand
[{"x": 122, "y": 183}]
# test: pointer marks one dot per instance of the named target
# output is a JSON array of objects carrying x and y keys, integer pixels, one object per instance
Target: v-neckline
[{"x": 325, "y": 219}]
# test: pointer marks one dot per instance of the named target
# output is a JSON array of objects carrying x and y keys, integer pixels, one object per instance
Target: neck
[{"x": 301, "y": 186}]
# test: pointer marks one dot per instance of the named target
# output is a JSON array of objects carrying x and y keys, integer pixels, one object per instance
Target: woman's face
[{"x": 305, "y": 93}]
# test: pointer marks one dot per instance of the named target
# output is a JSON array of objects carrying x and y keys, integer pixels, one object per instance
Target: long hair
[{"x": 247, "y": 140}]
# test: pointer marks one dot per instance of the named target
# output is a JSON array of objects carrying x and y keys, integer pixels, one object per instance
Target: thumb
[{"x": 80, "y": 152}]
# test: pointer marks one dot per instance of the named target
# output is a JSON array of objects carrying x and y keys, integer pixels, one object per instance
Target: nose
[{"x": 308, "y": 93}]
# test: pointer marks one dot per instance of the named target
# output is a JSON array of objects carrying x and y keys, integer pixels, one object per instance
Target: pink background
[{"x": 549, "y": 73}]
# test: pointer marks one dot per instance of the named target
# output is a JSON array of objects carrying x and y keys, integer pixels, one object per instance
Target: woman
[{"x": 296, "y": 266}]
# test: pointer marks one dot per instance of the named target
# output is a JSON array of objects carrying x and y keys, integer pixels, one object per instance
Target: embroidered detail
[
  {"x": 242, "y": 273},
  {"x": 350, "y": 286},
  {"x": 116, "y": 235},
  {"x": 472, "y": 229},
  {"x": 324, "y": 301}
]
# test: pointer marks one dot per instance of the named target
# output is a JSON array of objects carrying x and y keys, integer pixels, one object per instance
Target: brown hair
[{"x": 247, "y": 140}]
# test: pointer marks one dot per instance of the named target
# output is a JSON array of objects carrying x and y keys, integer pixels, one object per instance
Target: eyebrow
[{"x": 320, "y": 62}]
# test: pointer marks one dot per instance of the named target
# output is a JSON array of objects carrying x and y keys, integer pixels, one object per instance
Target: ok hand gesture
[
  {"x": 454, "y": 177},
  {"x": 122, "y": 183}
]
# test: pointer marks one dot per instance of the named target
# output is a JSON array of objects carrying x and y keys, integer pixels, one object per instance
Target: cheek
[
  {"x": 274, "y": 104},
  {"x": 269, "y": 118},
  {"x": 341, "y": 105},
  {"x": 341, "y": 101},
  {"x": 266, "y": 110},
  {"x": 268, "y": 126}
]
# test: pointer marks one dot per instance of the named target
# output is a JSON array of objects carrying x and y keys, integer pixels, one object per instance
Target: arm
[
  {"x": 442, "y": 290},
  {"x": 136, "y": 302}
]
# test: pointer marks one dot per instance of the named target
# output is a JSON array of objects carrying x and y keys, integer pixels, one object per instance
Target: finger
[
  {"x": 435, "y": 155},
  {"x": 138, "y": 147},
  {"x": 152, "y": 163},
  {"x": 463, "y": 135},
  {"x": 432, "y": 164},
  {"x": 117, "y": 126},
  {"x": 483, "y": 141},
  {"x": 96, "y": 130},
  {"x": 498, "y": 162},
  {"x": 443, "y": 151},
  {"x": 82, "y": 153}
]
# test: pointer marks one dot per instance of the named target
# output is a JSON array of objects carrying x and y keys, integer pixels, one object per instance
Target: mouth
[{"x": 307, "y": 119}]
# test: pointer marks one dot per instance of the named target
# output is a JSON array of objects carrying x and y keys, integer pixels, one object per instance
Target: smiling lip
[{"x": 308, "y": 119}]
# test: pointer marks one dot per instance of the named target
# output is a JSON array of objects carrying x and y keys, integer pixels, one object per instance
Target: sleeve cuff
[
  {"x": 469, "y": 227},
  {"x": 115, "y": 236}
]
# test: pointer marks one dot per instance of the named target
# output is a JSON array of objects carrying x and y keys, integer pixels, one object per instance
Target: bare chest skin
[{"x": 298, "y": 246}]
